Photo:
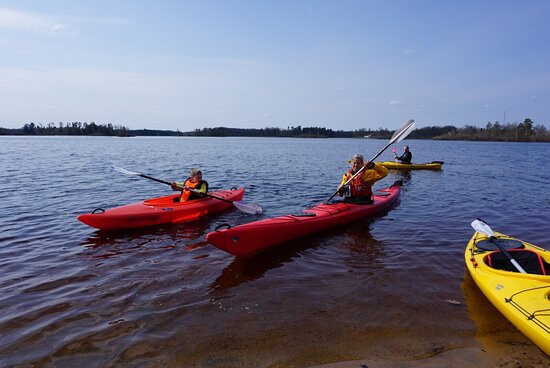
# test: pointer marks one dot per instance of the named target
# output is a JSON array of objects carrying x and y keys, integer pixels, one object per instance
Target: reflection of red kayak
[
  {"x": 255, "y": 236},
  {"x": 162, "y": 210}
]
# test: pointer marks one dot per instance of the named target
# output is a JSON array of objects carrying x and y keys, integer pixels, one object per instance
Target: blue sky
[{"x": 337, "y": 64}]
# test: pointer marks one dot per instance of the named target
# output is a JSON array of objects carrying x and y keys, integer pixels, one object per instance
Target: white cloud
[
  {"x": 396, "y": 102},
  {"x": 26, "y": 21},
  {"x": 33, "y": 22},
  {"x": 58, "y": 27}
]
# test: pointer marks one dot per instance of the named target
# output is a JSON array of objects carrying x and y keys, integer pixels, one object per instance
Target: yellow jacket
[{"x": 370, "y": 176}]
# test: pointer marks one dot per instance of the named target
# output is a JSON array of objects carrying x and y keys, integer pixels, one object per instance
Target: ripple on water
[{"x": 70, "y": 295}]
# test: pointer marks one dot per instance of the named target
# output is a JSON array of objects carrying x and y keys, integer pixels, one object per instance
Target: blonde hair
[{"x": 195, "y": 172}]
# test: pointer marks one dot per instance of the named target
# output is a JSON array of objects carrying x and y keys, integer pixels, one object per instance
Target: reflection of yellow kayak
[
  {"x": 434, "y": 165},
  {"x": 524, "y": 299}
]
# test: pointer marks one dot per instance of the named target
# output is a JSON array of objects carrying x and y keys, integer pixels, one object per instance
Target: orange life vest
[
  {"x": 186, "y": 194},
  {"x": 358, "y": 186}
]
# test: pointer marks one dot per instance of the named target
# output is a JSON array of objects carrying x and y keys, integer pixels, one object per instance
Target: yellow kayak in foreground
[
  {"x": 434, "y": 165},
  {"x": 524, "y": 299}
]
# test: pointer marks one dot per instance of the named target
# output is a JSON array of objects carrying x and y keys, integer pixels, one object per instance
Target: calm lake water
[{"x": 378, "y": 288}]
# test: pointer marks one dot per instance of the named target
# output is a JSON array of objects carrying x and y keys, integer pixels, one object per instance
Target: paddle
[
  {"x": 399, "y": 135},
  {"x": 481, "y": 227},
  {"x": 251, "y": 208}
]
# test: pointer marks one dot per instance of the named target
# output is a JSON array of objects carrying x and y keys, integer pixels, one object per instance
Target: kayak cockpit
[
  {"x": 533, "y": 260},
  {"x": 529, "y": 260},
  {"x": 170, "y": 200}
]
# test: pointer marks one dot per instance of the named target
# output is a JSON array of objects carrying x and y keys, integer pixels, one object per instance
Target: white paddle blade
[
  {"x": 251, "y": 208},
  {"x": 402, "y": 132},
  {"x": 124, "y": 171},
  {"x": 482, "y": 227}
]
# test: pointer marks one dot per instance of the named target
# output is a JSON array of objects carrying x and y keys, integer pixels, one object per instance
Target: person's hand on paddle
[
  {"x": 369, "y": 165},
  {"x": 342, "y": 190},
  {"x": 175, "y": 186}
]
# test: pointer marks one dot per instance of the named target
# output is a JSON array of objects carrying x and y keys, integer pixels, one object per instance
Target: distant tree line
[
  {"x": 514, "y": 132},
  {"x": 74, "y": 128},
  {"x": 297, "y": 132},
  {"x": 316, "y": 132},
  {"x": 157, "y": 133}
]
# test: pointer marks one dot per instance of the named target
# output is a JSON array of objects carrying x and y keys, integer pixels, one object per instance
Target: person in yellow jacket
[
  {"x": 359, "y": 190},
  {"x": 192, "y": 187}
]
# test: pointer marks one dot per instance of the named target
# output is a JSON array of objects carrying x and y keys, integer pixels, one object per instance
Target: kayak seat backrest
[{"x": 531, "y": 261}]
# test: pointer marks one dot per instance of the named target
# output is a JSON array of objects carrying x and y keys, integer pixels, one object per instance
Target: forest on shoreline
[{"x": 526, "y": 131}]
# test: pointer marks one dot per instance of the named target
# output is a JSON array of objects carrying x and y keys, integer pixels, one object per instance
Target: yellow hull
[
  {"x": 436, "y": 165},
  {"x": 522, "y": 298}
]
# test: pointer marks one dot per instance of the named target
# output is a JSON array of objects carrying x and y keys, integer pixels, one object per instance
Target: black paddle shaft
[{"x": 155, "y": 179}]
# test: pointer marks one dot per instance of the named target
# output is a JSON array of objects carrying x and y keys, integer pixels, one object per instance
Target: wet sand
[{"x": 503, "y": 355}]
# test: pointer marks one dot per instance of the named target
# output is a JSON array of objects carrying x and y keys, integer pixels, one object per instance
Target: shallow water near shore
[{"x": 393, "y": 288}]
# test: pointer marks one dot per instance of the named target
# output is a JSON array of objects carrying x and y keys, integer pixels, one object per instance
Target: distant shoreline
[
  {"x": 493, "y": 132},
  {"x": 240, "y": 136}
]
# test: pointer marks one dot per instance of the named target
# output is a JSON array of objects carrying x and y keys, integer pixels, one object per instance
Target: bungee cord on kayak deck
[{"x": 520, "y": 295}]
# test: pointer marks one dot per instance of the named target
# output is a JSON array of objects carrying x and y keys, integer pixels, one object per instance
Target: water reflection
[
  {"x": 171, "y": 235},
  {"x": 365, "y": 252},
  {"x": 493, "y": 331},
  {"x": 242, "y": 270},
  {"x": 403, "y": 175}
]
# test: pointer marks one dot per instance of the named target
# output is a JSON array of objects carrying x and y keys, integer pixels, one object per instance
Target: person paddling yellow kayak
[{"x": 405, "y": 158}]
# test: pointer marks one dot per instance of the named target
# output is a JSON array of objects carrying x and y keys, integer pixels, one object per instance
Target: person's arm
[
  {"x": 177, "y": 186},
  {"x": 203, "y": 188},
  {"x": 341, "y": 186},
  {"x": 374, "y": 173}
]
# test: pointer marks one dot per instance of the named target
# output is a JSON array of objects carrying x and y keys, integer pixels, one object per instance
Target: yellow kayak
[
  {"x": 524, "y": 299},
  {"x": 434, "y": 165}
]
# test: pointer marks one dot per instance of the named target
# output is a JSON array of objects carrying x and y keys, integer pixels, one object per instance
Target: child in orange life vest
[
  {"x": 359, "y": 189},
  {"x": 195, "y": 182}
]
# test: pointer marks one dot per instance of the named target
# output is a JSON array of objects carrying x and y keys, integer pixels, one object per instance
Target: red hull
[
  {"x": 162, "y": 210},
  {"x": 250, "y": 238}
]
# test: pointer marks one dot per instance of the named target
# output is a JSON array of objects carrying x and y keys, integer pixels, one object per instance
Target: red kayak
[
  {"x": 250, "y": 238},
  {"x": 162, "y": 210}
]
